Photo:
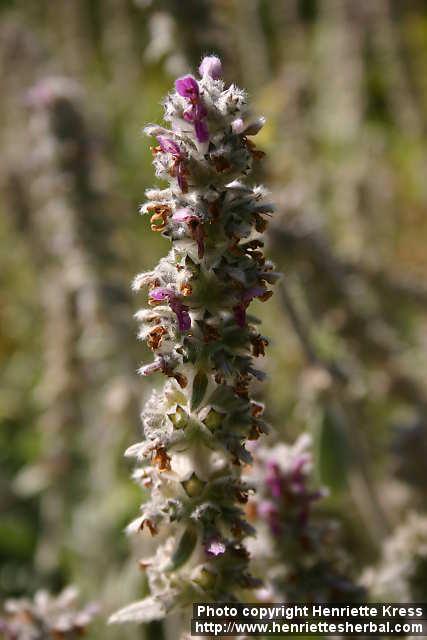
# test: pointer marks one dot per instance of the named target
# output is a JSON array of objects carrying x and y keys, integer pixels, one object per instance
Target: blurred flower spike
[
  {"x": 297, "y": 550},
  {"x": 46, "y": 617}
]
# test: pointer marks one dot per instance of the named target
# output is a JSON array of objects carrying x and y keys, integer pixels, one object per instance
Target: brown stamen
[
  {"x": 155, "y": 337},
  {"x": 186, "y": 289},
  {"x": 181, "y": 380},
  {"x": 161, "y": 459},
  {"x": 151, "y": 526}
]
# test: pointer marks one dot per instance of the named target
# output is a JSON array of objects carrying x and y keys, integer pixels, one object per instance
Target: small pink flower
[
  {"x": 266, "y": 508},
  {"x": 274, "y": 480},
  {"x": 187, "y": 216},
  {"x": 195, "y": 112},
  {"x": 215, "y": 547},
  {"x": 160, "y": 294},
  {"x": 187, "y": 87},
  {"x": 178, "y": 168},
  {"x": 202, "y": 131},
  {"x": 169, "y": 146},
  {"x": 183, "y": 317},
  {"x": 152, "y": 367},
  {"x": 269, "y": 512},
  {"x": 183, "y": 215}
]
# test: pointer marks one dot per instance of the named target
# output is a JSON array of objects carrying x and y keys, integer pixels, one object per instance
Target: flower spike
[{"x": 203, "y": 340}]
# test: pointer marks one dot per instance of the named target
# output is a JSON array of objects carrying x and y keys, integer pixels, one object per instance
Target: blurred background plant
[{"x": 343, "y": 86}]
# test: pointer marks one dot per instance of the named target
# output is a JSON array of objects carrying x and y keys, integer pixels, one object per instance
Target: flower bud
[
  {"x": 193, "y": 487},
  {"x": 179, "y": 419},
  {"x": 214, "y": 419},
  {"x": 211, "y": 66}
]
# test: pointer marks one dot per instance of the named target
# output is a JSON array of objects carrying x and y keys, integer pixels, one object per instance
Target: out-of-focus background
[{"x": 343, "y": 85}]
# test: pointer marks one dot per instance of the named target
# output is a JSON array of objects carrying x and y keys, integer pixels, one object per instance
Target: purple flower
[
  {"x": 202, "y": 131},
  {"x": 269, "y": 512},
  {"x": 169, "y": 146},
  {"x": 215, "y": 547},
  {"x": 196, "y": 114},
  {"x": 183, "y": 317},
  {"x": 183, "y": 215},
  {"x": 298, "y": 475},
  {"x": 186, "y": 215},
  {"x": 266, "y": 508},
  {"x": 274, "y": 480},
  {"x": 160, "y": 294},
  {"x": 211, "y": 66},
  {"x": 299, "y": 468},
  {"x": 152, "y": 367},
  {"x": 181, "y": 174},
  {"x": 178, "y": 170},
  {"x": 187, "y": 87}
]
